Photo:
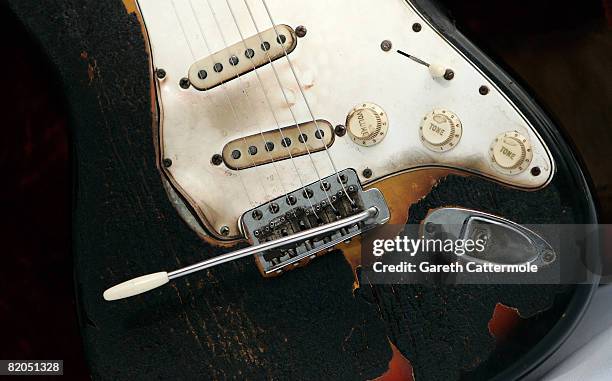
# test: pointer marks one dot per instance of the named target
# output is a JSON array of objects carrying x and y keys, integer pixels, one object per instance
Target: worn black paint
[{"x": 226, "y": 322}]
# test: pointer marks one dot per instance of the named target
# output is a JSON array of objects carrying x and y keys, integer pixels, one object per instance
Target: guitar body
[{"x": 149, "y": 195}]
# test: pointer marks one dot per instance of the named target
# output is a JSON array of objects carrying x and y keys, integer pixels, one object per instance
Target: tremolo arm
[{"x": 289, "y": 231}]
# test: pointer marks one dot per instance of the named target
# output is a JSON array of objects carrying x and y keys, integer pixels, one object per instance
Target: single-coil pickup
[
  {"x": 279, "y": 144},
  {"x": 242, "y": 57}
]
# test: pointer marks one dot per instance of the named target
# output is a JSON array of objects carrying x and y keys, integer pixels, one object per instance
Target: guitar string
[
  {"x": 224, "y": 40},
  {"x": 269, "y": 104},
  {"x": 323, "y": 187},
  {"x": 242, "y": 182},
  {"x": 234, "y": 115},
  {"x": 306, "y": 100}
]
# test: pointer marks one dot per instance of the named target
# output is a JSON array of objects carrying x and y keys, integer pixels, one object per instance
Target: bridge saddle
[{"x": 318, "y": 204}]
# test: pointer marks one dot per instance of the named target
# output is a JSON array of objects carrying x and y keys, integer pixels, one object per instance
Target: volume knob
[
  {"x": 511, "y": 153},
  {"x": 367, "y": 124}
]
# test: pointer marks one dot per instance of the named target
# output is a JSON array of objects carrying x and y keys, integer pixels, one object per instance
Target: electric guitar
[{"x": 226, "y": 146}]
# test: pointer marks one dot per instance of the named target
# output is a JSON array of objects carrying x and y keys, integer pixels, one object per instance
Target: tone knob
[
  {"x": 441, "y": 130},
  {"x": 367, "y": 124},
  {"x": 511, "y": 153}
]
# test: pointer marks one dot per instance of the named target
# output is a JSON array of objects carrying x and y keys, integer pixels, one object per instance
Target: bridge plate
[{"x": 318, "y": 204}]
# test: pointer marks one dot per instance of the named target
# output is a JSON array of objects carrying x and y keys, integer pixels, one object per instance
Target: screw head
[
  {"x": 367, "y": 173},
  {"x": 184, "y": 83},
  {"x": 340, "y": 130},
  {"x": 449, "y": 74},
  {"x": 483, "y": 90},
  {"x": 216, "y": 160},
  {"x": 274, "y": 208},
  {"x": 225, "y": 231},
  {"x": 536, "y": 171},
  {"x": 202, "y": 74},
  {"x": 301, "y": 31},
  {"x": 549, "y": 256},
  {"x": 308, "y": 193},
  {"x": 161, "y": 73},
  {"x": 257, "y": 215},
  {"x": 386, "y": 45},
  {"x": 416, "y": 27},
  {"x": 291, "y": 200},
  {"x": 430, "y": 227},
  {"x": 167, "y": 163}
]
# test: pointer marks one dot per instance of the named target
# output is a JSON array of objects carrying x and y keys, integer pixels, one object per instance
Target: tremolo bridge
[{"x": 321, "y": 205}]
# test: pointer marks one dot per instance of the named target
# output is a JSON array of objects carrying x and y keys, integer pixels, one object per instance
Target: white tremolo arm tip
[{"x": 136, "y": 286}]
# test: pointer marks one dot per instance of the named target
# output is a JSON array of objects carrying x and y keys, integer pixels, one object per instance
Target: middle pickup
[
  {"x": 265, "y": 147},
  {"x": 242, "y": 57}
]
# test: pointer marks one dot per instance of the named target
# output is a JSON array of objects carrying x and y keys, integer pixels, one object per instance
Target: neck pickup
[{"x": 242, "y": 57}]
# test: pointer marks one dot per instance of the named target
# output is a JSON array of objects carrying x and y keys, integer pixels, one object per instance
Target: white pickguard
[{"x": 341, "y": 64}]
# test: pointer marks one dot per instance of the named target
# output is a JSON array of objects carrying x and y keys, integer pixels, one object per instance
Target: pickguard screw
[
  {"x": 257, "y": 215},
  {"x": 484, "y": 90},
  {"x": 367, "y": 173},
  {"x": 161, "y": 73},
  {"x": 536, "y": 171},
  {"x": 416, "y": 27},
  {"x": 449, "y": 74},
  {"x": 225, "y": 230},
  {"x": 184, "y": 83},
  {"x": 340, "y": 130},
  {"x": 301, "y": 31},
  {"x": 167, "y": 163},
  {"x": 549, "y": 257},
  {"x": 216, "y": 160},
  {"x": 430, "y": 227},
  {"x": 386, "y": 45}
]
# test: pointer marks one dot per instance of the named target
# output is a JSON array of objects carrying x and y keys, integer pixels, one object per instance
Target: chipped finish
[
  {"x": 400, "y": 192},
  {"x": 130, "y": 6}
]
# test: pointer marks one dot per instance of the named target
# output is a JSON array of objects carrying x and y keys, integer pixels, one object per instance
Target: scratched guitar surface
[{"x": 227, "y": 322}]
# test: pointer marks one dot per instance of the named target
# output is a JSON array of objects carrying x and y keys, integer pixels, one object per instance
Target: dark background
[{"x": 561, "y": 50}]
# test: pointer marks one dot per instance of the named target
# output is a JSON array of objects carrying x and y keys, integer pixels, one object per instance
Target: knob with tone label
[
  {"x": 367, "y": 124},
  {"x": 511, "y": 153},
  {"x": 441, "y": 130}
]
